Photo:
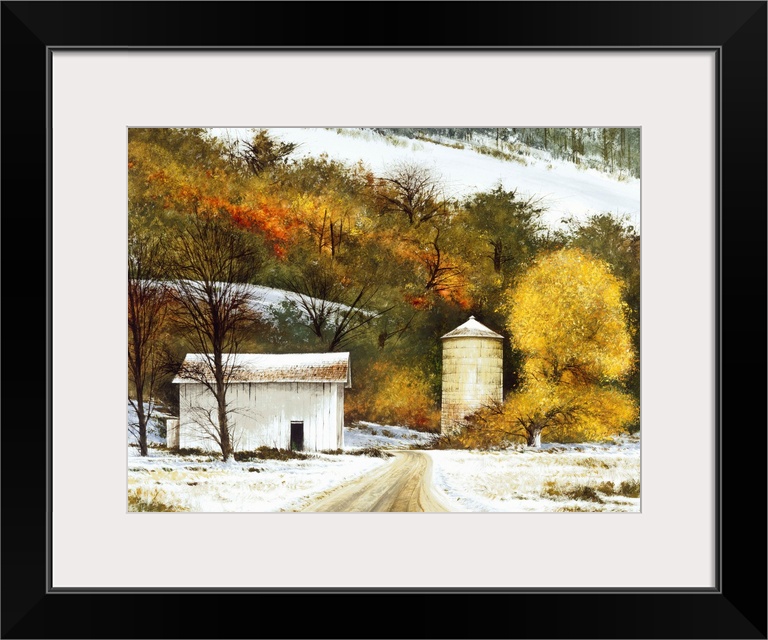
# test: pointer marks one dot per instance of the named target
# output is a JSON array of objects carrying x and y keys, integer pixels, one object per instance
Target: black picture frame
[{"x": 736, "y": 608}]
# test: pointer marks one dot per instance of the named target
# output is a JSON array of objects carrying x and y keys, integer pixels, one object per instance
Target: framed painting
[{"x": 683, "y": 85}]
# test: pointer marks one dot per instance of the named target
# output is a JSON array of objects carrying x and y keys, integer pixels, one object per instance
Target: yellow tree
[{"x": 567, "y": 316}]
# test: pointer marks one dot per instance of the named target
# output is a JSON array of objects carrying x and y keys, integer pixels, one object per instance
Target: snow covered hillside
[
  {"x": 567, "y": 190},
  {"x": 270, "y": 303},
  {"x": 362, "y": 435},
  {"x": 155, "y": 429}
]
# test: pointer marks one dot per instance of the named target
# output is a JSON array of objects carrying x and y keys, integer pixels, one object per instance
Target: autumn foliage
[
  {"x": 567, "y": 316},
  {"x": 392, "y": 394},
  {"x": 383, "y": 265}
]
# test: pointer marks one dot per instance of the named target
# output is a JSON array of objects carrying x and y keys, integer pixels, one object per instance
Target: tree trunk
[
  {"x": 142, "y": 418},
  {"x": 143, "y": 437},
  {"x": 226, "y": 443},
  {"x": 322, "y": 233},
  {"x": 573, "y": 146},
  {"x": 137, "y": 369},
  {"x": 221, "y": 401},
  {"x": 140, "y": 412},
  {"x": 534, "y": 438},
  {"x": 497, "y": 254}
]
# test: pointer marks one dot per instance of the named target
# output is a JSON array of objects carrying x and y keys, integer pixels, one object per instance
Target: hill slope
[{"x": 567, "y": 190}]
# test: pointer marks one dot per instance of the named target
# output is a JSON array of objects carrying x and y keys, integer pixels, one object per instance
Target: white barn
[{"x": 287, "y": 401}]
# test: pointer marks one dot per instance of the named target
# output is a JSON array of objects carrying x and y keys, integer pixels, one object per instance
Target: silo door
[{"x": 297, "y": 436}]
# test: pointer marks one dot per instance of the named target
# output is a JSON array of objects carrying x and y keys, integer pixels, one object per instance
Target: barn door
[{"x": 297, "y": 436}]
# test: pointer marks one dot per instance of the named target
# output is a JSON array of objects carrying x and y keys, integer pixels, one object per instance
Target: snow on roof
[
  {"x": 472, "y": 329},
  {"x": 270, "y": 367}
]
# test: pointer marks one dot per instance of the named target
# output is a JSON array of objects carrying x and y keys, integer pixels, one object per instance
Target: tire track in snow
[{"x": 404, "y": 485}]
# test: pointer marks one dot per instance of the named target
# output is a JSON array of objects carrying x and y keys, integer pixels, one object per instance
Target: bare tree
[
  {"x": 147, "y": 310},
  {"x": 205, "y": 413},
  {"x": 214, "y": 262},
  {"x": 335, "y": 308},
  {"x": 413, "y": 190},
  {"x": 441, "y": 275}
]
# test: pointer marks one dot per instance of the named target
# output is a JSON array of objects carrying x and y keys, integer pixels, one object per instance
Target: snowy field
[
  {"x": 566, "y": 189},
  {"x": 206, "y": 484},
  {"x": 203, "y": 483},
  {"x": 557, "y": 477}
]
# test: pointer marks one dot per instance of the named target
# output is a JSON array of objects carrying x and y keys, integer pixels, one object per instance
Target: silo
[{"x": 472, "y": 372}]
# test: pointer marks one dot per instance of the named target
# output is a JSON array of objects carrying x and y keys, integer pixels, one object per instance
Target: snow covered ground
[
  {"x": 567, "y": 190},
  {"x": 203, "y": 483},
  {"x": 362, "y": 435},
  {"x": 557, "y": 477},
  {"x": 206, "y": 484}
]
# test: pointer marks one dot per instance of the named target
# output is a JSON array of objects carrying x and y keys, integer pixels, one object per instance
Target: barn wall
[
  {"x": 472, "y": 376},
  {"x": 172, "y": 433},
  {"x": 340, "y": 415},
  {"x": 261, "y": 414}
]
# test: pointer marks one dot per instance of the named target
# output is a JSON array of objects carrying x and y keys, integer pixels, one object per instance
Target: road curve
[{"x": 404, "y": 484}]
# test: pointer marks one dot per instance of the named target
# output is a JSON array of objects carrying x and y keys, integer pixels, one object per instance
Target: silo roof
[{"x": 472, "y": 329}]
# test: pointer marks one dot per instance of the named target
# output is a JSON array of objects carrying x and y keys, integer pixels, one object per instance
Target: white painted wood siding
[
  {"x": 261, "y": 414},
  {"x": 172, "y": 433}
]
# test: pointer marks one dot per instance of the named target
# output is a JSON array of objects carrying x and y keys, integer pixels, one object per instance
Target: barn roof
[
  {"x": 472, "y": 329},
  {"x": 270, "y": 367}
]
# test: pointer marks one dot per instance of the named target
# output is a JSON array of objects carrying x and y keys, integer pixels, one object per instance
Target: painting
[{"x": 383, "y": 319}]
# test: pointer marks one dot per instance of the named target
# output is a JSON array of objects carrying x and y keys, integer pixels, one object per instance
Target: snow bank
[
  {"x": 567, "y": 189},
  {"x": 362, "y": 435}
]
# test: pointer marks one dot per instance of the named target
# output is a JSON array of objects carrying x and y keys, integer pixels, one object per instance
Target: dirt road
[{"x": 405, "y": 484}]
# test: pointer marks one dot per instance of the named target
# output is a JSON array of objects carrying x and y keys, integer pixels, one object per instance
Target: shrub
[
  {"x": 192, "y": 451},
  {"x": 608, "y": 488},
  {"x": 485, "y": 429},
  {"x": 394, "y": 394},
  {"x": 584, "y": 492},
  {"x": 629, "y": 488},
  {"x": 594, "y": 463},
  {"x": 442, "y": 441},
  {"x": 579, "y": 492},
  {"x": 269, "y": 453},
  {"x": 140, "y": 500},
  {"x": 373, "y": 452}
]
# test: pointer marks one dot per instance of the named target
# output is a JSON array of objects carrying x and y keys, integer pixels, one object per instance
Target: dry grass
[
  {"x": 269, "y": 453},
  {"x": 144, "y": 500},
  {"x": 584, "y": 477}
]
